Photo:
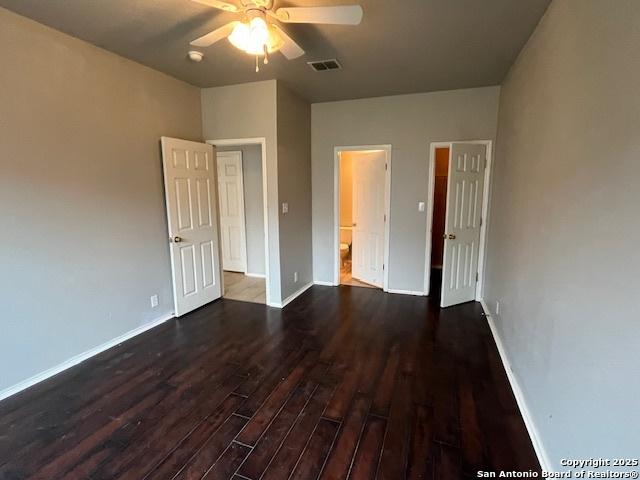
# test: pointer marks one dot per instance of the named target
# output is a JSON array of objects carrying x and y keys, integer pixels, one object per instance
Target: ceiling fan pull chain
[
  {"x": 266, "y": 55},
  {"x": 257, "y": 64}
]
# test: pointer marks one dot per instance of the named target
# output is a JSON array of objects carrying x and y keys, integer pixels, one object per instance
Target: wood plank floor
[{"x": 343, "y": 383}]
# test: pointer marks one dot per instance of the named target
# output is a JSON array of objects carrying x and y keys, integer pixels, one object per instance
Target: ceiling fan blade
[
  {"x": 290, "y": 49},
  {"x": 215, "y": 36},
  {"x": 338, "y": 15},
  {"x": 228, "y": 7}
]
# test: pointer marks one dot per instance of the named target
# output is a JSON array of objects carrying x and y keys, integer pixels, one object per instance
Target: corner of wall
[{"x": 293, "y": 132}]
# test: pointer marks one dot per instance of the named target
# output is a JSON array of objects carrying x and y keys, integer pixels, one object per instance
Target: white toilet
[
  {"x": 345, "y": 242},
  {"x": 344, "y": 250}
]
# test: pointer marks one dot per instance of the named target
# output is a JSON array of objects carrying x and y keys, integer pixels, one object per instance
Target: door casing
[
  {"x": 485, "y": 211},
  {"x": 336, "y": 204},
  {"x": 262, "y": 141}
]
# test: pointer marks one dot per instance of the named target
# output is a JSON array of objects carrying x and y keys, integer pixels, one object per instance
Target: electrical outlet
[
  {"x": 285, "y": 208},
  {"x": 295, "y": 277},
  {"x": 154, "y": 301},
  {"x": 497, "y": 307}
]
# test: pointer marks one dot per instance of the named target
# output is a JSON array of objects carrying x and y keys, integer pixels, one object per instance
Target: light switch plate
[
  {"x": 285, "y": 207},
  {"x": 421, "y": 206},
  {"x": 154, "y": 301}
]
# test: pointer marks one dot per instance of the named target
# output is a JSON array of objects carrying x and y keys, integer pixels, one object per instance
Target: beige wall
[
  {"x": 294, "y": 187},
  {"x": 563, "y": 255},
  {"x": 81, "y": 197},
  {"x": 249, "y": 111},
  {"x": 409, "y": 123},
  {"x": 268, "y": 109}
]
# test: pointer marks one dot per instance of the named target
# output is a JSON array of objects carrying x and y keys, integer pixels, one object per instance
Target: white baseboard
[
  {"x": 75, "y": 360},
  {"x": 390, "y": 290},
  {"x": 536, "y": 440},
  {"x": 257, "y": 275},
  {"x": 291, "y": 297},
  {"x": 406, "y": 292}
]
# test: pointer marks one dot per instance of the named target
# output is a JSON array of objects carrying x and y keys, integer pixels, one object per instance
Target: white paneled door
[
  {"x": 467, "y": 163},
  {"x": 232, "y": 226},
  {"x": 189, "y": 179},
  {"x": 368, "y": 217}
]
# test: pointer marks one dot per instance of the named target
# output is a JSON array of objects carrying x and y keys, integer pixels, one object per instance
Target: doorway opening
[
  {"x": 439, "y": 211},
  {"x": 362, "y": 187},
  {"x": 242, "y": 222},
  {"x": 459, "y": 174}
]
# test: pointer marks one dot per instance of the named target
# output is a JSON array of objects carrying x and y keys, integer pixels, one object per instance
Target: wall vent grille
[{"x": 325, "y": 65}]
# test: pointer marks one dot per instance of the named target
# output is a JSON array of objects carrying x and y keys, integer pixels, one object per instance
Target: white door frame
[
  {"x": 485, "y": 211},
  {"x": 242, "y": 207},
  {"x": 336, "y": 207},
  {"x": 262, "y": 141}
]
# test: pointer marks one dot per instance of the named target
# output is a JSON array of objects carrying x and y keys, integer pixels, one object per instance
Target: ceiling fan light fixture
[{"x": 255, "y": 37}]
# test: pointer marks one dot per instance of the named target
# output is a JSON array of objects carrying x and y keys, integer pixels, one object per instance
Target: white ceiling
[{"x": 402, "y": 46}]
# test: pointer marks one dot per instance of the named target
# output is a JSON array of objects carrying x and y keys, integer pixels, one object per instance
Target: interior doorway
[
  {"x": 458, "y": 178},
  {"x": 439, "y": 212},
  {"x": 242, "y": 232},
  {"x": 362, "y": 216}
]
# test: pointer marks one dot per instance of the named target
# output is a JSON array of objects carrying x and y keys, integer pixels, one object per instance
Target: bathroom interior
[{"x": 347, "y": 221}]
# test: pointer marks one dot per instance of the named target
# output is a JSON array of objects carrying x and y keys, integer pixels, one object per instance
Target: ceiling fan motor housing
[
  {"x": 258, "y": 4},
  {"x": 255, "y": 12}
]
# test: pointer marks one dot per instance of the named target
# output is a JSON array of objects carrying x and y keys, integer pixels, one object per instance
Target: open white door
[
  {"x": 467, "y": 162},
  {"x": 189, "y": 180},
  {"x": 232, "y": 226},
  {"x": 368, "y": 217}
]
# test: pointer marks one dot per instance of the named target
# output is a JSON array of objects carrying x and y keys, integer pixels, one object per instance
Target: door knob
[
  {"x": 176, "y": 239},
  {"x": 452, "y": 237}
]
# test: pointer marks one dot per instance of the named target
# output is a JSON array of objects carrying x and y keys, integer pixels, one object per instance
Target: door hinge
[
  {"x": 386, "y": 166},
  {"x": 477, "y": 277},
  {"x": 385, "y": 217},
  {"x": 480, "y": 221},
  {"x": 383, "y": 267}
]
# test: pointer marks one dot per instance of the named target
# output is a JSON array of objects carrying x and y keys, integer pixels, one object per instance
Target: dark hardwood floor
[{"x": 343, "y": 383}]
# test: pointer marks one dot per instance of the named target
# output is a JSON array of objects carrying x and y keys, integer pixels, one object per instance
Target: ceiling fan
[{"x": 256, "y": 35}]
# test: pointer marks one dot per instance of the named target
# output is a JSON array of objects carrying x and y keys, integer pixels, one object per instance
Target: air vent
[{"x": 322, "y": 65}]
